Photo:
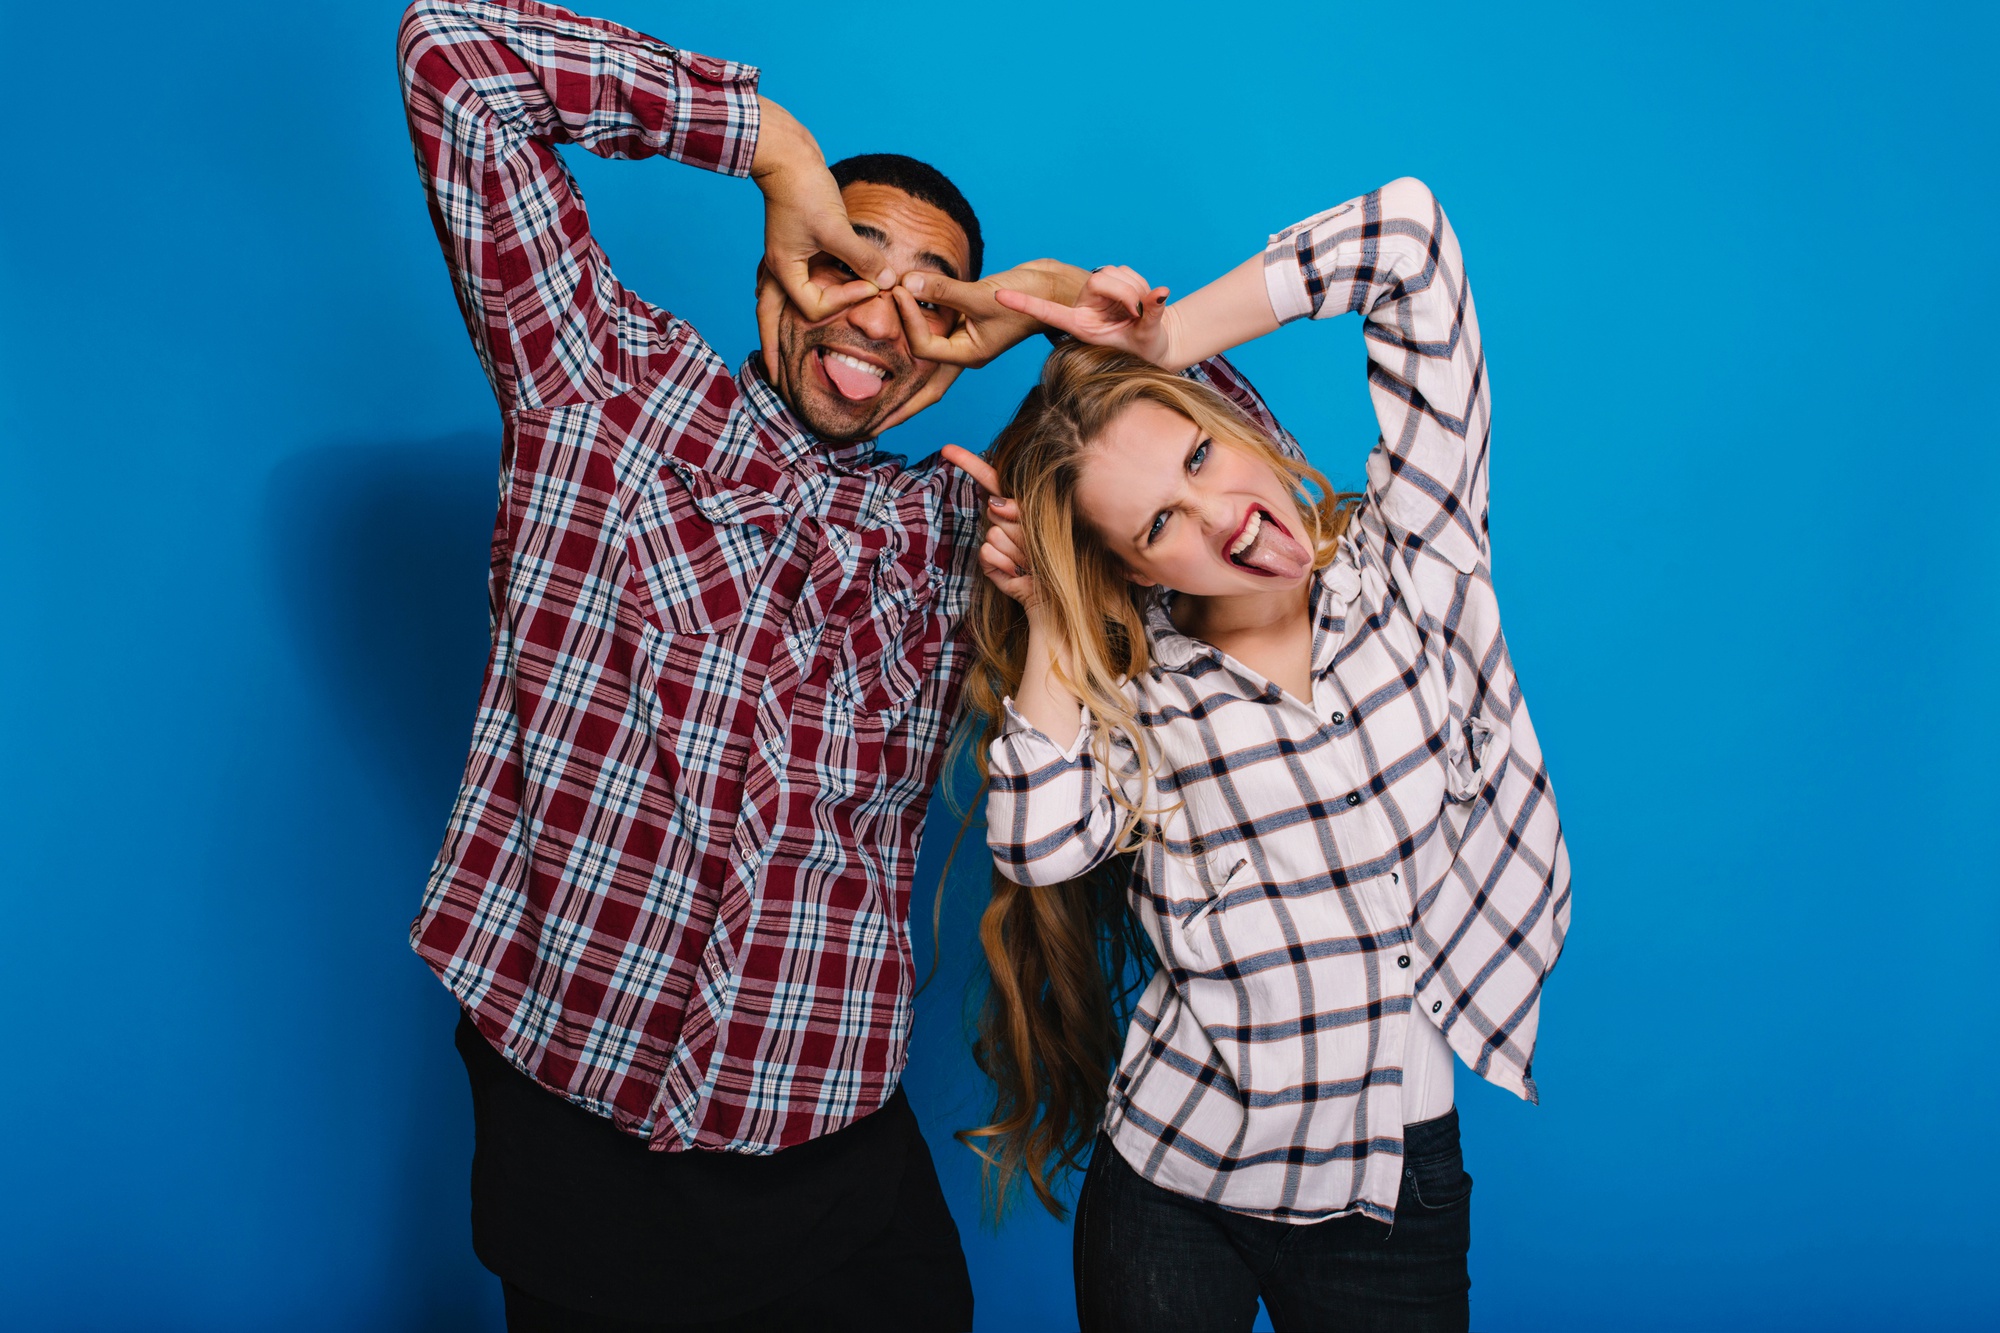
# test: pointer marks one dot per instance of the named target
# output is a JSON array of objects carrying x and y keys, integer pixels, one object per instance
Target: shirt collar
[
  {"x": 1334, "y": 586},
  {"x": 788, "y": 437}
]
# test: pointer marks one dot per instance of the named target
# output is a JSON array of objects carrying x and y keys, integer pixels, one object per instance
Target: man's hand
[
  {"x": 804, "y": 218},
  {"x": 1116, "y": 308},
  {"x": 986, "y": 326}
]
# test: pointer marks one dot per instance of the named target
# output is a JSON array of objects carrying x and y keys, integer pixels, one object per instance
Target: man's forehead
[{"x": 912, "y": 232}]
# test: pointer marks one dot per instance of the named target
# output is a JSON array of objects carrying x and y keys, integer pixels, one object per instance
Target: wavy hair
[{"x": 1058, "y": 956}]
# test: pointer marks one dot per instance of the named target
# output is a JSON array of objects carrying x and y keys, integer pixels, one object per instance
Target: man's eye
[
  {"x": 1198, "y": 457},
  {"x": 929, "y": 307},
  {"x": 845, "y": 271},
  {"x": 1159, "y": 521}
]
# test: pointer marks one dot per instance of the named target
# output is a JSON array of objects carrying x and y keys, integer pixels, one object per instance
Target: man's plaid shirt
[
  {"x": 1329, "y": 870},
  {"x": 675, "y": 885}
]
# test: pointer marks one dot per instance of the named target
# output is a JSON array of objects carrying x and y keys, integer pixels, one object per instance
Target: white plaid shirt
[{"x": 1327, "y": 871}]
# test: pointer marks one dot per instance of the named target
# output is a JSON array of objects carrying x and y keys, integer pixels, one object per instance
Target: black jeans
[
  {"x": 1149, "y": 1260},
  {"x": 592, "y": 1232}
]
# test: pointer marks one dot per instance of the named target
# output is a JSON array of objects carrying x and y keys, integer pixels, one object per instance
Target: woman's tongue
[
  {"x": 855, "y": 385},
  {"x": 1274, "y": 552}
]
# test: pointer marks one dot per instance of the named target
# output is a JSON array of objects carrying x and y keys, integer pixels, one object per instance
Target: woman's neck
[{"x": 1270, "y": 633}]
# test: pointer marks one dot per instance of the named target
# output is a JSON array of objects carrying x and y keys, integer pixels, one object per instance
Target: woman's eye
[
  {"x": 1198, "y": 457},
  {"x": 928, "y": 307},
  {"x": 1159, "y": 521},
  {"x": 845, "y": 271}
]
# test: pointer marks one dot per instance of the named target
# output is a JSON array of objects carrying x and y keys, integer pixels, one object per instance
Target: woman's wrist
[{"x": 1231, "y": 311}]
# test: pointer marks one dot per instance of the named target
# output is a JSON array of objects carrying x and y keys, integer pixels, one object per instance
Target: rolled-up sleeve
[
  {"x": 1391, "y": 257},
  {"x": 1050, "y": 811}
]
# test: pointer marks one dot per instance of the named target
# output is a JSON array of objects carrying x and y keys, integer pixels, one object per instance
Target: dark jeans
[{"x": 1149, "y": 1260}]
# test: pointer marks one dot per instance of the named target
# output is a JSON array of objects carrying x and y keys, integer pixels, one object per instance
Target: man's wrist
[{"x": 783, "y": 144}]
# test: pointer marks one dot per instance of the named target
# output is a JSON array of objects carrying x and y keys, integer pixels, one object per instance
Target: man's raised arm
[{"x": 491, "y": 86}]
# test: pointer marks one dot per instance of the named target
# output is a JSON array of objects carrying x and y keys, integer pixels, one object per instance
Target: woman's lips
[{"x": 1264, "y": 546}]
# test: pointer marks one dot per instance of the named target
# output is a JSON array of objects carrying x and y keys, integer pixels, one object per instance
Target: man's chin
[{"x": 832, "y": 417}]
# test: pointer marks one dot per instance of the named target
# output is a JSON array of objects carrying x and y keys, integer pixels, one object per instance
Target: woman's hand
[
  {"x": 1117, "y": 308},
  {"x": 804, "y": 217},
  {"x": 1004, "y": 554}
]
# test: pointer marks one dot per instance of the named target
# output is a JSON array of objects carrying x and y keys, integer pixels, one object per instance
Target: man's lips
[{"x": 851, "y": 375}]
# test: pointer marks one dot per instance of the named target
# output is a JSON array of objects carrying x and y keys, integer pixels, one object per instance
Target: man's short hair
[{"x": 921, "y": 181}]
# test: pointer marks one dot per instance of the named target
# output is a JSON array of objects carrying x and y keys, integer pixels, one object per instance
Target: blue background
[{"x": 1736, "y": 273}]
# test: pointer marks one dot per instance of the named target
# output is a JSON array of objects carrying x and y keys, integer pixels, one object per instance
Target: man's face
[{"x": 847, "y": 375}]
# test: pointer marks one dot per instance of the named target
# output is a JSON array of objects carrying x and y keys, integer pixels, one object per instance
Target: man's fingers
[
  {"x": 924, "y": 341},
  {"x": 770, "y": 304},
  {"x": 838, "y": 239},
  {"x": 933, "y": 390},
  {"x": 814, "y": 301},
  {"x": 973, "y": 466},
  {"x": 968, "y": 298}
]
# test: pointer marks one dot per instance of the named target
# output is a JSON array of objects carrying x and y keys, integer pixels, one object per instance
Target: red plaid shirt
[{"x": 675, "y": 886}]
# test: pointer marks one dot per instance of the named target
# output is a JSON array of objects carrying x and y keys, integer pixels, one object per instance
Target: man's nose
[{"x": 876, "y": 318}]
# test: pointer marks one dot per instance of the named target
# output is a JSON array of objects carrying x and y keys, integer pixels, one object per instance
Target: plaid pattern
[
  {"x": 1326, "y": 874},
  {"x": 675, "y": 884}
]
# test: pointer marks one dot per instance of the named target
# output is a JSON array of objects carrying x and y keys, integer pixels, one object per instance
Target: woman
[{"x": 1296, "y": 713}]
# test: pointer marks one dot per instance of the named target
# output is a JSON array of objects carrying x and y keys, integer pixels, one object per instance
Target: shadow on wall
[
  {"x": 380, "y": 556},
  {"x": 383, "y": 551}
]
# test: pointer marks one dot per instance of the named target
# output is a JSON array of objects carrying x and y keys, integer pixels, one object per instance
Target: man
[{"x": 673, "y": 896}]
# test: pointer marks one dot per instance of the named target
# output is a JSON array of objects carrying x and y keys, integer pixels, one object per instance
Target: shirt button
[
  {"x": 1339, "y": 718},
  {"x": 1436, "y": 1005},
  {"x": 1354, "y": 798},
  {"x": 1402, "y": 960}
]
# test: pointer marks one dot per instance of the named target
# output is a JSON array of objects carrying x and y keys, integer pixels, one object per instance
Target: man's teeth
[
  {"x": 1250, "y": 531},
  {"x": 858, "y": 364}
]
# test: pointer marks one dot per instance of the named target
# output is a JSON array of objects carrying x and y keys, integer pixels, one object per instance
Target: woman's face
[{"x": 1193, "y": 513}]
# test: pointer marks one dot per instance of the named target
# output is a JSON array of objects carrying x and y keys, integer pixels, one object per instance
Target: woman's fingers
[
  {"x": 1008, "y": 544},
  {"x": 972, "y": 465},
  {"x": 1051, "y": 313},
  {"x": 1120, "y": 286}
]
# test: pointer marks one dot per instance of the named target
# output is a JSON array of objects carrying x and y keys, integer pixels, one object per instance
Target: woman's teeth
[
  {"x": 1250, "y": 531},
  {"x": 1266, "y": 547}
]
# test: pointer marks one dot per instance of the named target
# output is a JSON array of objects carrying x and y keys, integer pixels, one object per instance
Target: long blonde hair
[{"x": 1057, "y": 956}]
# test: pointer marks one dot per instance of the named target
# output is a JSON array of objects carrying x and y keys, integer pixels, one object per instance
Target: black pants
[
  {"x": 590, "y": 1231},
  {"x": 1149, "y": 1260}
]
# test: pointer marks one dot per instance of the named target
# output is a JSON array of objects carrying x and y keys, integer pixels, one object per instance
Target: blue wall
[{"x": 1736, "y": 270}]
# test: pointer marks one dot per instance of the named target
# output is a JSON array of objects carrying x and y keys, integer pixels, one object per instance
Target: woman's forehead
[{"x": 1145, "y": 428}]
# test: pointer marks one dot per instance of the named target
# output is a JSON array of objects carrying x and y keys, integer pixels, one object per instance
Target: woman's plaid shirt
[
  {"x": 675, "y": 885},
  {"x": 1327, "y": 871}
]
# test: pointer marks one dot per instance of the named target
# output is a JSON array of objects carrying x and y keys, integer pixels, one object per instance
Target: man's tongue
[
  {"x": 1274, "y": 552},
  {"x": 854, "y": 383}
]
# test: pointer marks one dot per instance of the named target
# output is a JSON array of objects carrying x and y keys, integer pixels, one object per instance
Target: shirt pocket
[
  {"x": 1473, "y": 754},
  {"x": 887, "y": 645},
  {"x": 699, "y": 547},
  {"x": 1215, "y": 875}
]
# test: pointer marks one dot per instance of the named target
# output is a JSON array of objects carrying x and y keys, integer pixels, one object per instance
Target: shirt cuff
[
  {"x": 1016, "y": 725},
  {"x": 1283, "y": 282},
  {"x": 717, "y": 119}
]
